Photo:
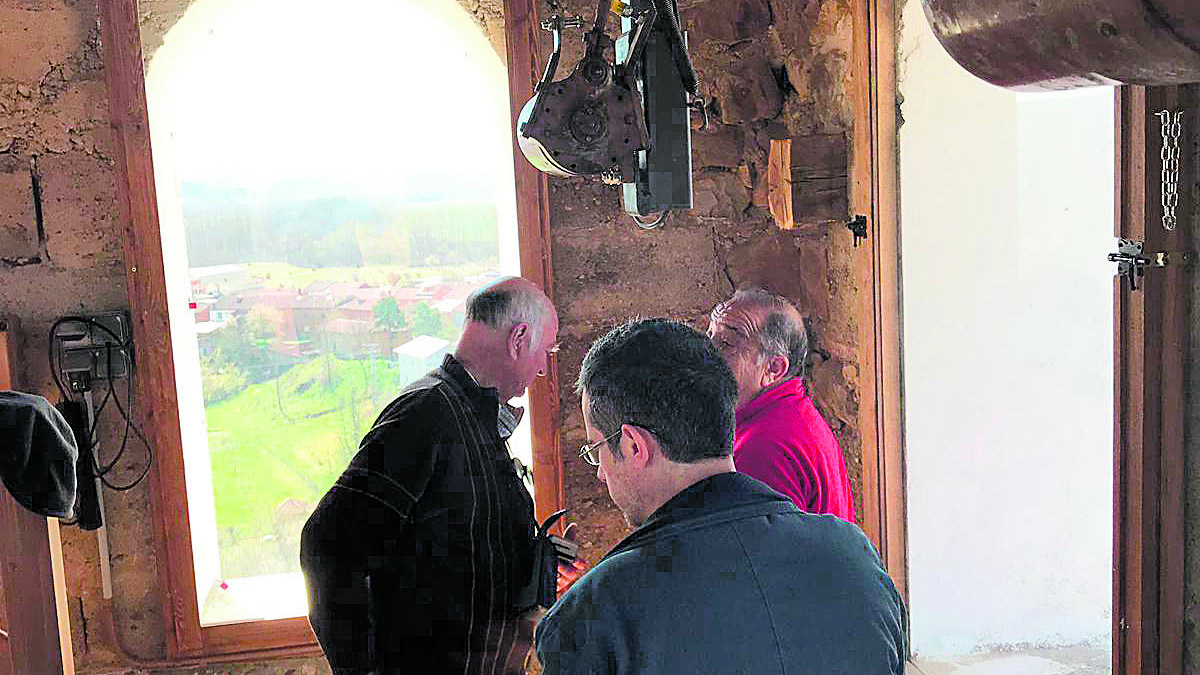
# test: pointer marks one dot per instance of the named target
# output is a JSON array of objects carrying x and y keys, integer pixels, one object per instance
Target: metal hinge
[{"x": 1132, "y": 261}]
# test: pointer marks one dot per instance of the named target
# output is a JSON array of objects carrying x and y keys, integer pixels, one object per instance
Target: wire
[
  {"x": 650, "y": 222},
  {"x": 126, "y": 348},
  {"x": 50, "y": 357},
  {"x": 92, "y": 440},
  {"x": 130, "y": 425},
  {"x": 102, "y": 470}
]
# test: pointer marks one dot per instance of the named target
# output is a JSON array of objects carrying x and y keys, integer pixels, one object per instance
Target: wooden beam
[{"x": 807, "y": 180}]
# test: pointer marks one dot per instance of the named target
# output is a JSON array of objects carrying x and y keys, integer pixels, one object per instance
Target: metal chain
[{"x": 1172, "y": 128}]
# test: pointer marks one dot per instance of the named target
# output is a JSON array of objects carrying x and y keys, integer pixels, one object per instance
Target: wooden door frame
[
  {"x": 145, "y": 277},
  {"x": 875, "y": 193},
  {"x": 1149, "y": 403}
]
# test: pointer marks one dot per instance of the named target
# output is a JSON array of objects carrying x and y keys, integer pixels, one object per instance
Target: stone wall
[{"x": 770, "y": 70}]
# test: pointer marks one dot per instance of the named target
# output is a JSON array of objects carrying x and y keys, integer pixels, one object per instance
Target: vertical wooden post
[
  {"x": 31, "y": 562},
  {"x": 1152, "y": 328},
  {"x": 874, "y": 193},
  {"x": 521, "y": 29}
]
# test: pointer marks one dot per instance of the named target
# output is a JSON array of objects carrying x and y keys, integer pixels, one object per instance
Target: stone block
[
  {"x": 36, "y": 40},
  {"x": 605, "y": 276},
  {"x": 787, "y": 266},
  {"x": 18, "y": 227},
  {"x": 796, "y": 20},
  {"x": 822, "y": 79},
  {"x": 722, "y": 148},
  {"x": 726, "y": 21},
  {"x": 748, "y": 92},
  {"x": 80, "y": 213},
  {"x": 719, "y": 195},
  {"x": 829, "y": 386}
]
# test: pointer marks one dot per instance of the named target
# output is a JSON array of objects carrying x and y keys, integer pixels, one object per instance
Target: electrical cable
[
  {"x": 650, "y": 222},
  {"x": 124, "y": 441},
  {"x": 92, "y": 440},
  {"x": 668, "y": 17},
  {"x": 50, "y": 356},
  {"x": 128, "y": 416},
  {"x": 126, "y": 348},
  {"x": 102, "y": 470}
]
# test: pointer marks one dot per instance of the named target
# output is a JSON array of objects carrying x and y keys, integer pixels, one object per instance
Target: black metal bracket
[{"x": 858, "y": 227}]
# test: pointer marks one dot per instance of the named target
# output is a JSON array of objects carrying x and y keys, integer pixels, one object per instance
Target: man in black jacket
[
  {"x": 722, "y": 574},
  {"x": 415, "y": 558}
]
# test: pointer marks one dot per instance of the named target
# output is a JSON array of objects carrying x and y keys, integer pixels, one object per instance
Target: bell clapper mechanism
[{"x": 626, "y": 121}]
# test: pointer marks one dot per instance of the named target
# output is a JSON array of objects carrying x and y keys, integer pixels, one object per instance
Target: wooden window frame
[
  {"x": 1149, "y": 412},
  {"x": 125, "y": 80}
]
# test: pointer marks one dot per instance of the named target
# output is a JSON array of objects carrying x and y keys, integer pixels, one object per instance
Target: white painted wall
[{"x": 1006, "y": 218}]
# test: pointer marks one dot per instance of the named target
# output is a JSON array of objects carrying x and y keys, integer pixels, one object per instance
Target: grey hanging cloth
[{"x": 37, "y": 454}]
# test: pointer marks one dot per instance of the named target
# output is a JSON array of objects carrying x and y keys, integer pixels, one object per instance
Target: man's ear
[
  {"x": 518, "y": 340},
  {"x": 777, "y": 368},
  {"x": 643, "y": 446}
]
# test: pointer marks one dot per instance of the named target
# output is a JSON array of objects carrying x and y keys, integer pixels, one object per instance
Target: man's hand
[{"x": 569, "y": 571}]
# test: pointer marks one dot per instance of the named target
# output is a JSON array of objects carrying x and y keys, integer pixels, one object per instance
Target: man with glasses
[
  {"x": 721, "y": 574},
  {"x": 417, "y": 557},
  {"x": 781, "y": 438}
]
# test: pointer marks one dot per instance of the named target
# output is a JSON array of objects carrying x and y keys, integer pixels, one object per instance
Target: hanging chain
[{"x": 1172, "y": 128}]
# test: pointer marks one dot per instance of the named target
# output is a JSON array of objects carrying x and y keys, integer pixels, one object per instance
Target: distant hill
[{"x": 236, "y": 225}]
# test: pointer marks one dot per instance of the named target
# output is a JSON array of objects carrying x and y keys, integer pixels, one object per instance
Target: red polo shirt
[{"x": 784, "y": 442}]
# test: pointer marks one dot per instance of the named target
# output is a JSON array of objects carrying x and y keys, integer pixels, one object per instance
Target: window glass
[{"x": 333, "y": 181}]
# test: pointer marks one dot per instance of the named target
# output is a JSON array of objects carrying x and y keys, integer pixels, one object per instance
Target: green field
[{"x": 288, "y": 438}]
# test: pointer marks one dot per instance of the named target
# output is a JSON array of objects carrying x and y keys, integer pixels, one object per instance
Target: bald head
[
  {"x": 509, "y": 335},
  {"x": 761, "y": 336},
  {"x": 781, "y": 329},
  {"x": 508, "y": 301}
]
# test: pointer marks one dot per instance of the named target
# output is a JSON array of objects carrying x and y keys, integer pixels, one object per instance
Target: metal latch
[
  {"x": 858, "y": 227},
  {"x": 1132, "y": 262}
]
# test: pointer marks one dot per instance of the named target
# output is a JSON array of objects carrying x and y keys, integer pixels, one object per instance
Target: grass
[{"x": 288, "y": 438}]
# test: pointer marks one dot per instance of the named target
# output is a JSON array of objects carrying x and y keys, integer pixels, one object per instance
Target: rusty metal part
[{"x": 1062, "y": 44}]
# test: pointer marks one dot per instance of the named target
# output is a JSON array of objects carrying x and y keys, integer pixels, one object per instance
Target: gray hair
[
  {"x": 783, "y": 332},
  {"x": 501, "y": 305}
]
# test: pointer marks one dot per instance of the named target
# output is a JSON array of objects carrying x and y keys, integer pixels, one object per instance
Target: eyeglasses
[{"x": 588, "y": 451}]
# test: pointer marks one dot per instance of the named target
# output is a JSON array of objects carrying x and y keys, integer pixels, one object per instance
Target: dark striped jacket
[{"x": 414, "y": 558}]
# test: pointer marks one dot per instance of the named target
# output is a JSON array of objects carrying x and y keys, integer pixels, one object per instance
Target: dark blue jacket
[{"x": 730, "y": 577}]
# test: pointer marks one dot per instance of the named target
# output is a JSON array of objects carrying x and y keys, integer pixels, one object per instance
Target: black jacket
[
  {"x": 414, "y": 558},
  {"x": 730, "y": 577}
]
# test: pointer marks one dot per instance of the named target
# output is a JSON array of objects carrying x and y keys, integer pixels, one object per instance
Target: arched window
[{"x": 332, "y": 181}]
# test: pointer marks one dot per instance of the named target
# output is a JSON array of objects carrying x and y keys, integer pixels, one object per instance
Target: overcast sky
[{"x": 371, "y": 93}]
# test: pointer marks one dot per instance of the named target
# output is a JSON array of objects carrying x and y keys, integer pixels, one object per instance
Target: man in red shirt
[{"x": 780, "y": 439}]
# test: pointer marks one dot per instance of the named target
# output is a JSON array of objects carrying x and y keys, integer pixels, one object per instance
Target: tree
[
  {"x": 426, "y": 320},
  {"x": 245, "y": 339},
  {"x": 388, "y": 315},
  {"x": 219, "y": 377}
]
